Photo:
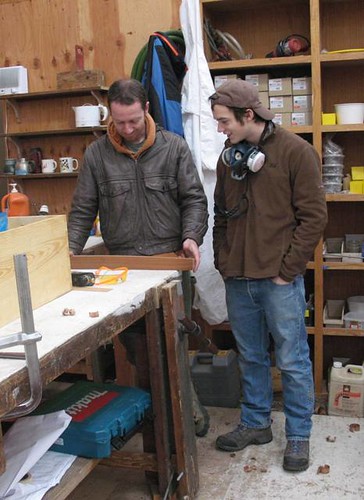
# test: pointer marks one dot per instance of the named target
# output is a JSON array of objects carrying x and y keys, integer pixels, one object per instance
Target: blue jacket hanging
[{"x": 162, "y": 78}]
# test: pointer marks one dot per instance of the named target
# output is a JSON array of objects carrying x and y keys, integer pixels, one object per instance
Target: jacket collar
[{"x": 117, "y": 141}]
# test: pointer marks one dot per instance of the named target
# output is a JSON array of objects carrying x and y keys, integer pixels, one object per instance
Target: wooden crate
[{"x": 44, "y": 240}]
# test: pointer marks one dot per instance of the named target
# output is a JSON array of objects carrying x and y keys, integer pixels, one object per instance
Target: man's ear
[
  {"x": 249, "y": 114},
  {"x": 147, "y": 107}
]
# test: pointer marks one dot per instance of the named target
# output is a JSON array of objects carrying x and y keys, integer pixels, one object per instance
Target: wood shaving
[
  {"x": 94, "y": 314},
  {"x": 323, "y": 469},
  {"x": 354, "y": 427},
  {"x": 68, "y": 312},
  {"x": 249, "y": 468},
  {"x": 331, "y": 439}
]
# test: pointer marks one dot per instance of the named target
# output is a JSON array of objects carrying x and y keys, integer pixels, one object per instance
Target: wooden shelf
[
  {"x": 275, "y": 62},
  {"x": 70, "y": 131},
  {"x": 52, "y": 94},
  {"x": 347, "y": 197},
  {"x": 343, "y": 332},
  {"x": 342, "y": 266},
  {"x": 29, "y": 177}
]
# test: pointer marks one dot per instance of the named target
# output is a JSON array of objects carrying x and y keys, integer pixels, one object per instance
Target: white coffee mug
[
  {"x": 49, "y": 166},
  {"x": 68, "y": 164}
]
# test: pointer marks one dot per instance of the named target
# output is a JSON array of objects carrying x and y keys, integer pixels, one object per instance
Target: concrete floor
[{"x": 256, "y": 472}]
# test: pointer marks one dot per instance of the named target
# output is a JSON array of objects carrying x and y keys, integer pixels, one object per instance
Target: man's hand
[{"x": 190, "y": 249}]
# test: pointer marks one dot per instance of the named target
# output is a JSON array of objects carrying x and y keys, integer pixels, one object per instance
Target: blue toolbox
[
  {"x": 102, "y": 415},
  {"x": 216, "y": 378}
]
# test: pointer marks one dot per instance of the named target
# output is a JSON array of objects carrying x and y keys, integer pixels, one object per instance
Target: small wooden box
[
  {"x": 80, "y": 79},
  {"x": 44, "y": 240}
]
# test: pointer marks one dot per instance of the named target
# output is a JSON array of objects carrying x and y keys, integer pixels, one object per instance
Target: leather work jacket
[{"x": 149, "y": 202}]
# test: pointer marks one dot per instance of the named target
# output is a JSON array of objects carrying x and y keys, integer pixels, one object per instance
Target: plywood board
[{"x": 44, "y": 241}]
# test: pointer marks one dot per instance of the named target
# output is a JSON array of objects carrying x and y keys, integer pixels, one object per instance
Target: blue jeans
[{"x": 257, "y": 308}]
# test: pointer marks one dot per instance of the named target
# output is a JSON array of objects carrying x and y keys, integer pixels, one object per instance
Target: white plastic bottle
[{"x": 346, "y": 390}]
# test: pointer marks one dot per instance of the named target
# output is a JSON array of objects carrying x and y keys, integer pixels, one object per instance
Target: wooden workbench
[{"x": 67, "y": 339}]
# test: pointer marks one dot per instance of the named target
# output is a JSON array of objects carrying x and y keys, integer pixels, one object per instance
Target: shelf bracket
[
  {"x": 17, "y": 145},
  {"x": 15, "y": 109},
  {"x": 97, "y": 96}
]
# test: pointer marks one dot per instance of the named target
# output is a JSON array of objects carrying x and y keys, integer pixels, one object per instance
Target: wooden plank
[
  {"x": 156, "y": 262},
  {"x": 44, "y": 241},
  {"x": 80, "y": 468},
  {"x": 181, "y": 398},
  {"x": 132, "y": 460}
]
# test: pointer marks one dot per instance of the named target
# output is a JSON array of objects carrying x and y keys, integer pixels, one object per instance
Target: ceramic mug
[
  {"x": 68, "y": 164},
  {"x": 9, "y": 166},
  {"x": 49, "y": 166}
]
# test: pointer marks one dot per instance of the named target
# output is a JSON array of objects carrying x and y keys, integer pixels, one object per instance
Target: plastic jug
[
  {"x": 346, "y": 390},
  {"x": 15, "y": 203}
]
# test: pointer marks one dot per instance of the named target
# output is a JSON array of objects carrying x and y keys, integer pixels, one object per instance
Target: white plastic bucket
[{"x": 349, "y": 113}]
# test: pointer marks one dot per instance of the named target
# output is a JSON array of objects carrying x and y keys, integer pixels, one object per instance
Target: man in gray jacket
[
  {"x": 270, "y": 213},
  {"x": 142, "y": 181}
]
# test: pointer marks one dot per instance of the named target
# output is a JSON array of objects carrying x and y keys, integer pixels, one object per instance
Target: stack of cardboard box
[{"x": 290, "y": 99}]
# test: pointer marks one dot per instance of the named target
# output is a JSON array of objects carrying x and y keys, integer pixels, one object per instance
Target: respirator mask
[{"x": 243, "y": 158}]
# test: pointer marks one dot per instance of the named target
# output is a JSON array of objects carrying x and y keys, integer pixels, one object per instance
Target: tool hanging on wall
[{"x": 291, "y": 45}]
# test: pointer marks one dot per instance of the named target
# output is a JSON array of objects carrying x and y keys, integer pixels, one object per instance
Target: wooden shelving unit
[
  {"x": 47, "y": 120},
  {"x": 258, "y": 25}
]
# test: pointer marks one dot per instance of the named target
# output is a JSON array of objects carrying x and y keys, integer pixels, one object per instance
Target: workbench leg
[
  {"x": 158, "y": 436},
  {"x": 181, "y": 397}
]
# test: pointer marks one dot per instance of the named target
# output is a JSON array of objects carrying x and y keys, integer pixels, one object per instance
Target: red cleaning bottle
[{"x": 15, "y": 203}]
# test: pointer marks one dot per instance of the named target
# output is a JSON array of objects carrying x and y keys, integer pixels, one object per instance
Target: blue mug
[{"x": 9, "y": 166}]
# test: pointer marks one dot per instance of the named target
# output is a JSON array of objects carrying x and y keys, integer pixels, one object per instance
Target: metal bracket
[{"x": 15, "y": 108}]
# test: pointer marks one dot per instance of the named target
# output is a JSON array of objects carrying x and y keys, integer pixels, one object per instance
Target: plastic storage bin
[
  {"x": 354, "y": 320},
  {"x": 333, "y": 187},
  {"x": 332, "y": 169},
  {"x": 356, "y": 303}
]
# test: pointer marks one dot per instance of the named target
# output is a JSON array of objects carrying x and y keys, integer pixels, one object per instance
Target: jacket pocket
[
  {"x": 163, "y": 209},
  {"x": 117, "y": 210}
]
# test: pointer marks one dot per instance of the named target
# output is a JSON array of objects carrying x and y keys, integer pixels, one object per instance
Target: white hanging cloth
[{"x": 206, "y": 144}]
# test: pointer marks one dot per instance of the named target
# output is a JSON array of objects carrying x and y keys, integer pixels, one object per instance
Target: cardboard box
[
  {"x": 220, "y": 79},
  {"x": 44, "y": 240},
  {"x": 282, "y": 119},
  {"x": 302, "y": 85},
  {"x": 301, "y": 119},
  {"x": 259, "y": 80},
  {"x": 280, "y": 86},
  {"x": 302, "y": 103},
  {"x": 264, "y": 99},
  {"x": 281, "y": 104}
]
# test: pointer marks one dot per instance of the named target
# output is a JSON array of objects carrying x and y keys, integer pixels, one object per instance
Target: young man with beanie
[{"x": 270, "y": 213}]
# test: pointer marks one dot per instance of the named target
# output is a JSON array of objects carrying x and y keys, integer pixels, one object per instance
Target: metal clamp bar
[{"x": 28, "y": 337}]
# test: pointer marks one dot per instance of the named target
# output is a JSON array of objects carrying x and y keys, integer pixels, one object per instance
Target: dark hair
[
  {"x": 127, "y": 92},
  {"x": 239, "y": 114}
]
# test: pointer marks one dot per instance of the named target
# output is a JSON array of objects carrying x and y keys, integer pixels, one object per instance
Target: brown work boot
[
  {"x": 296, "y": 455},
  {"x": 243, "y": 436}
]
